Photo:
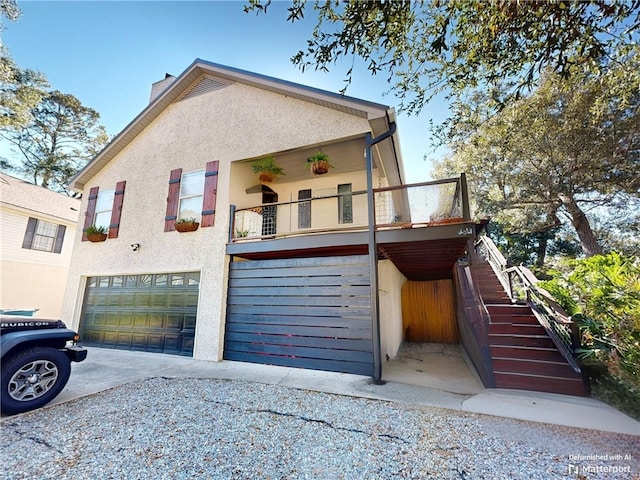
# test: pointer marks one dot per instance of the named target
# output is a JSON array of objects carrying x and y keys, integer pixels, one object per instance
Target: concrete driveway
[{"x": 105, "y": 369}]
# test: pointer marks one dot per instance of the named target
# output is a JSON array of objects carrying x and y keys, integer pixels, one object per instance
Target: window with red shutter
[{"x": 91, "y": 210}]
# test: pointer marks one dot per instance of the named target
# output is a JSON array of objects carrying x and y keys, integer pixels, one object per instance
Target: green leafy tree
[
  {"x": 60, "y": 138},
  {"x": 427, "y": 47},
  {"x": 553, "y": 158},
  {"x": 20, "y": 89}
]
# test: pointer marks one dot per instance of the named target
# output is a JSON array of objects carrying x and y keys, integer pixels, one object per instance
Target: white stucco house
[
  {"x": 37, "y": 230},
  {"x": 307, "y": 271}
]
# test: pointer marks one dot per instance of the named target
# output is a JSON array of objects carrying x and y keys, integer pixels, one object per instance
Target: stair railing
[{"x": 521, "y": 285}]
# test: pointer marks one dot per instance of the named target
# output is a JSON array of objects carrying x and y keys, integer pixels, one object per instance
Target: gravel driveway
[{"x": 199, "y": 429}]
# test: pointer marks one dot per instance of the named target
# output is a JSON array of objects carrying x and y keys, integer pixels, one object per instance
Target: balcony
[{"x": 422, "y": 228}]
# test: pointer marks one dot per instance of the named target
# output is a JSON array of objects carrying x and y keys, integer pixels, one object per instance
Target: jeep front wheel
[{"x": 32, "y": 378}]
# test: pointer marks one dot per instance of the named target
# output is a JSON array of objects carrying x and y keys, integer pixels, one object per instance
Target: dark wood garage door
[
  {"x": 151, "y": 313},
  {"x": 312, "y": 313}
]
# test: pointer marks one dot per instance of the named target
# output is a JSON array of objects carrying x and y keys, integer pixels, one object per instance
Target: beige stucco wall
[
  {"x": 390, "y": 282},
  {"x": 231, "y": 124}
]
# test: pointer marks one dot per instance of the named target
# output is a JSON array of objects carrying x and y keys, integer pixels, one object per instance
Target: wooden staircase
[{"x": 522, "y": 354}]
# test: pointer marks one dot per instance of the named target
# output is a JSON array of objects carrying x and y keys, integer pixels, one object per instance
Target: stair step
[
  {"x": 526, "y": 353},
  {"x": 535, "y": 367},
  {"x": 541, "y": 384},
  {"x": 542, "y": 341},
  {"x": 511, "y": 309},
  {"x": 516, "y": 329},
  {"x": 510, "y": 319}
]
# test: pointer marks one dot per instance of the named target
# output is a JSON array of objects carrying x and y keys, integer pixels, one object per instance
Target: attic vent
[{"x": 205, "y": 85}]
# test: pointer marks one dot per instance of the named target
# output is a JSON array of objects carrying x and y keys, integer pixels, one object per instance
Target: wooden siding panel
[
  {"x": 429, "y": 312},
  {"x": 309, "y": 312}
]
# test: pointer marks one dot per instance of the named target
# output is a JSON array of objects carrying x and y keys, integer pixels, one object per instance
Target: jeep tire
[{"x": 32, "y": 378}]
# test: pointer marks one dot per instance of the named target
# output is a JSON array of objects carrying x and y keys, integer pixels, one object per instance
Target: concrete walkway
[{"x": 437, "y": 377}]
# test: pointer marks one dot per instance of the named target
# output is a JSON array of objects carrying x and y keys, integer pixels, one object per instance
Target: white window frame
[{"x": 189, "y": 196}]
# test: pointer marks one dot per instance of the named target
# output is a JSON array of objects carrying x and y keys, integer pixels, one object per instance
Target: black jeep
[{"x": 36, "y": 356}]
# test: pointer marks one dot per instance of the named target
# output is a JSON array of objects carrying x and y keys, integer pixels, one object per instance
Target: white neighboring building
[{"x": 37, "y": 230}]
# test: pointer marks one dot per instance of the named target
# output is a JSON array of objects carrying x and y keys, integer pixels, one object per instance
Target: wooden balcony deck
[
  {"x": 422, "y": 228},
  {"x": 420, "y": 253}
]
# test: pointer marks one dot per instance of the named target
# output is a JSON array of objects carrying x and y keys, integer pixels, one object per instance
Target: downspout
[{"x": 373, "y": 254}]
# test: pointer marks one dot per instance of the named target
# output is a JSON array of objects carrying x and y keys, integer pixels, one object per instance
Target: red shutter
[
  {"x": 210, "y": 194},
  {"x": 116, "y": 210},
  {"x": 91, "y": 210},
  {"x": 172, "y": 200}
]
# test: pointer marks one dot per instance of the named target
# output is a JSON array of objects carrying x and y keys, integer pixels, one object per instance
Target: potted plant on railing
[
  {"x": 96, "y": 233},
  {"x": 267, "y": 169},
  {"x": 187, "y": 224},
  {"x": 319, "y": 163}
]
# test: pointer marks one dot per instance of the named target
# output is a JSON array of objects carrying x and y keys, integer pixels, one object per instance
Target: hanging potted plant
[
  {"x": 96, "y": 234},
  {"x": 267, "y": 169},
  {"x": 187, "y": 224},
  {"x": 319, "y": 163}
]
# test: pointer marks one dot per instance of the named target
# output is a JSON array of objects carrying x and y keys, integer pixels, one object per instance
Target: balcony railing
[{"x": 405, "y": 206}]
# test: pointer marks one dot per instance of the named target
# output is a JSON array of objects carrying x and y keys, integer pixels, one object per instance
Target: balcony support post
[{"x": 373, "y": 254}]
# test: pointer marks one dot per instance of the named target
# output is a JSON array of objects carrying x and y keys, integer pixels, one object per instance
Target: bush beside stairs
[{"x": 524, "y": 357}]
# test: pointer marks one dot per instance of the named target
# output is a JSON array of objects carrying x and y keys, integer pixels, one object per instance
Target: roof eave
[{"x": 199, "y": 67}]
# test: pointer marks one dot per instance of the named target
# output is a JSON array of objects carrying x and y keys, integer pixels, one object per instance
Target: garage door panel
[
  {"x": 149, "y": 312},
  {"x": 300, "y": 320},
  {"x": 156, "y": 320},
  {"x": 110, "y": 338},
  {"x": 319, "y": 331},
  {"x": 138, "y": 341},
  {"x": 305, "y": 352},
  {"x": 190, "y": 321},
  {"x": 320, "y": 364},
  {"x": 335, "y": 343},
  {"x": 312, "y": 313},
  {"x": 302, "y": 300},
  {"x": 143, "y": 299},
  {"x": 362, "y": 312},
  {"x": 140, "y": 320}
]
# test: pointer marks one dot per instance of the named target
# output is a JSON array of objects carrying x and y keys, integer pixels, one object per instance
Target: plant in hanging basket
[
  {"x": 267, "y": 169},
  {"x": 187, "y": 224},
  {"x": 319, "y": 163},
  {"x": 96, "y": 234}
]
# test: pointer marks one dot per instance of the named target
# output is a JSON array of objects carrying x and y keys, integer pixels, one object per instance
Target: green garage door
[{"x": 150, "y": 313}]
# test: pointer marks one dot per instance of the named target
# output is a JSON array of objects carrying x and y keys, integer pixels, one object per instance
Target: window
[
  {"x": 191, "y": 194},
  {"x": 104, "y": 209},
  {"x": 43, "y": 236},
  {"x": 304, "y": 209},
  {"x": 345, "y": 204},
  {"x": 104, "y": 205}
]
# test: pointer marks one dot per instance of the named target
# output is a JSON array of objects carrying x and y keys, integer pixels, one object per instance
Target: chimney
[{"x": 158, "y": 87}]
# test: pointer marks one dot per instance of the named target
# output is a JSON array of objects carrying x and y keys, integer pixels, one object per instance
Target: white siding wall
[{"x": 32, "y": 278}]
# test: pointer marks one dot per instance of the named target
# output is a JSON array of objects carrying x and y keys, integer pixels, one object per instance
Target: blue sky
[{"x": 108, "y": 54}]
